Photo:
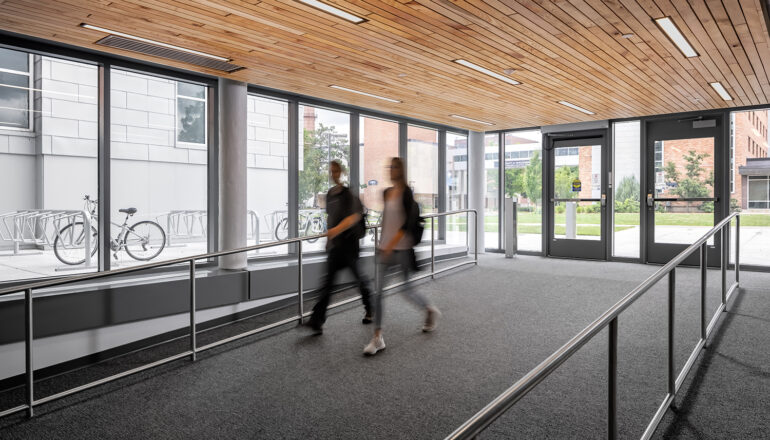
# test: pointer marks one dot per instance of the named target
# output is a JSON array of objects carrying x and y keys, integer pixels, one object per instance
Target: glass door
[
  {"x": 577, "y": 214},
  {"x": 683, "y": 186}
]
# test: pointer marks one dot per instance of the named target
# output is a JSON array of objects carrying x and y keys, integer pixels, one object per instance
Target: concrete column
[
  {"x": 476, "y": 187},
  {"x": 232, "y": 171}
]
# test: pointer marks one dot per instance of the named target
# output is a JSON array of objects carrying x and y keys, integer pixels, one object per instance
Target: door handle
[
  {"x": 650, "y": 201},
  {"x": 604, "y": 199}
]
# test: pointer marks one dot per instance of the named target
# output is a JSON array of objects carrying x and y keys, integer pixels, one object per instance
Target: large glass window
[
  {"x": 456, "y": 186},
  {"x": 492, "y": 191},
  {"x": 158, "y": 168},
  {"x": 751, "y": 184},
  {"x": 422, "y": 169},
  {"x": 626, "y": 188},
  {"x": 524, "y": 181},
  {"x": 324, "y": 136},
  {"x": 46, "y": 171},
  {"x": 15, "y": 89},
  {"x": 378, "y": 144},
  {"x": 267, "y": 172}
]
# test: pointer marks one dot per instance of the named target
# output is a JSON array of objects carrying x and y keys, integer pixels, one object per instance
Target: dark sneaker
[
  {"x": 315, "y": 328},
  {"x": 367, "y": 319},
  {"x": 431, "y": 316}
]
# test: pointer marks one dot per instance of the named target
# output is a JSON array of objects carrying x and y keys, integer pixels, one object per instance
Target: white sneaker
[
  {"x": 375, "y": 345},
  {"x": 430, "y": 319}
]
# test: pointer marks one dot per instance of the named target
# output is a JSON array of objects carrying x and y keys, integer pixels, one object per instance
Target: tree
[
  {"x": 562, "y": 181},
  {"x": 692, "y": 185},
  {"x": 320, "y": 146},
  {"x": 628, "y": 189},
  {"x": 514, "y": 182},
  {"x": 533, "y": 178}
]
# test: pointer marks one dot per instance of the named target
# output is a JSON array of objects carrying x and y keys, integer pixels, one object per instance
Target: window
[
  {"x": 660, "y": 176},
  {"x": 626, "y": 188},
  {"x": 15, "y": 86},
  {"x": 47, "y": 172},
  {"x": 267, "y": 162},
  {"x": 523, "y": 181},
  {"x": 456, "y": 187},
  {"x": 422, "y": 166},
  {"x": 759, "y": 192},
  {"x": 159, "y": 165},
  {"x": 378, "y": 144},
  {"x": 492, "y": 191},
  {"x": 732, "y": 153},
  {"x": 324, "y": 136},
  {"x": 191, "y": 113}
]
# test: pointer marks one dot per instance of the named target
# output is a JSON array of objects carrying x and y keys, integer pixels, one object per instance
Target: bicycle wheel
[
  {"x": 144, "y": 240},
  {"x": 69, "y": 245},
  {"x": 315, "y": 227},
  {"x": 282, "y": 230}
]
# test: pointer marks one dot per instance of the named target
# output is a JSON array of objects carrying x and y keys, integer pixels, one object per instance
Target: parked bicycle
[
  {"x": 142, "y": 241},
  {"x": 310, "y": 223}
]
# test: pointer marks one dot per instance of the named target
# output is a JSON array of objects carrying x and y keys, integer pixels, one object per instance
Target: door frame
[
  {"x": 683, "y": 127},
  {"x": 564, "y": 248}
]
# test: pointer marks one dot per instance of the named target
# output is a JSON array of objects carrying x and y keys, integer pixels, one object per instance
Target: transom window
[
  {"x": 191, "y": 113},
  {"x": 15, "y": 85}
]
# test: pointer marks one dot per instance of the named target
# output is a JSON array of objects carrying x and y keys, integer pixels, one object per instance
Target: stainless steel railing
[
  {"x": 194, "y": 349},
  {"x": 481, "y": 420}
]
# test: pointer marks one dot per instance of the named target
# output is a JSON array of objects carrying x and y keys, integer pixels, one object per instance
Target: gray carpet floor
[{"x": 500, "y": 319}]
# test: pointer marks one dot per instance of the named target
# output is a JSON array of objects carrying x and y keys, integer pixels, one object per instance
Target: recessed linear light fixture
[
  {"x": 472, "y": 120},
  {"x": 573, "y": 106},
  {"x": 364, "y": 93},
  {"x": 158, "y": 43},
  {"x": 719, "y": 88},
  {"x": 483, "y": 70},
  {"x": 334, "y": 11},
  {"x": 673, "y": 32}
]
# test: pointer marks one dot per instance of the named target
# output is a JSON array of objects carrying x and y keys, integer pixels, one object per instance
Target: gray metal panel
[{"x": 575, "y": 126}]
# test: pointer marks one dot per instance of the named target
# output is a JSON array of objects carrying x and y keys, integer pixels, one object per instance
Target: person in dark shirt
[{"x": 343, "y": 211}]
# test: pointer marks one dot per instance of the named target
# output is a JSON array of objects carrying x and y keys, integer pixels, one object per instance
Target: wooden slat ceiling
[{"x": 574, "y": 50}]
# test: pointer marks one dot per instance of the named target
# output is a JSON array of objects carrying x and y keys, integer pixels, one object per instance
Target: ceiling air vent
[{"x": 155, "y": 50}]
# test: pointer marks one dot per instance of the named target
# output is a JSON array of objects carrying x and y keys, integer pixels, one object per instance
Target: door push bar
[
  {"x": 651, "y": 200},
  {"x": 603, "y": 200}
]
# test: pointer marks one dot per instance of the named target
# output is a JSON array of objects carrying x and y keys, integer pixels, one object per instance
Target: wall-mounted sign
[
  {"x": 372, "y": 182},
  {"x": 576, "y": 185}
]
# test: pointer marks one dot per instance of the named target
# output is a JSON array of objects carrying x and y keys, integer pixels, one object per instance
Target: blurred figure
[
  {"x": 344, "y": 221},
  {"x": 399, "y": 217}
]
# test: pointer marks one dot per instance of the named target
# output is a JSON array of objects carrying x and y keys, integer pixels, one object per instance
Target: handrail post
[
  {"x": 432, "y": 249},
  {"x": 723, "y": 266},
  {"x": 193, "y": 326},
  {"x": 612, "y": 382},
  {"x": 476, "y": 236},
  {"x": 29, "y": 337},
  {"x": 671, "y": 314},
  {"x": 703, "y": 283},
  {"x": 738, "y": 248},
  {"x": 376, "y": 266},
  {"x": 299, "y": 281}
]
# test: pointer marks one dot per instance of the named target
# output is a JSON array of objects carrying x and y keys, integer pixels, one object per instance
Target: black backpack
[
  {"x": 416, "y": 223},
  {"x": 359, "y": 229}
]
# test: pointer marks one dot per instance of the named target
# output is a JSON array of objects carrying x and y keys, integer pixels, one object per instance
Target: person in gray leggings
[{"x": 396, "y": 249}]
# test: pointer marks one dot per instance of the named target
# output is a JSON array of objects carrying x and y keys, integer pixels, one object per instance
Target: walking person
[
  {"x": 344, "y": 219},
  {"x": 397, "y": 250}
]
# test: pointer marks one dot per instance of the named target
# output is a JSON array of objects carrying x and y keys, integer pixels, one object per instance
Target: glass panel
[
  {"x": 14, "y": 100},
  {"x": 683, "y": 222},
  {"x": 191, "y": 90},
  {"x": 422, "y": 170},
  {"x": 14, "y": 60},
  {"x": 456, "y": 187},
  {"x": 324, "y": 136},
  {"x": 154, "y": 170},
  {"x": 191, "y": 114},
  {"x": 46, "y": 174},
  {"x": 379, "y": 143},
  {"x": 492, "y": 191},
  {"x": 751, "y": 195},
  {"x": 684, "y": 168},
  {"x": 627, "y": 191},
  {"x": 577, "y": 174},
  {"x": 267, "y": 172},
  {"x": 524, "y": 181}
]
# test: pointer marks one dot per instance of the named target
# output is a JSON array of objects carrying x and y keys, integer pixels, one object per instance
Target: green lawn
[{"x": 530, "y": 223}]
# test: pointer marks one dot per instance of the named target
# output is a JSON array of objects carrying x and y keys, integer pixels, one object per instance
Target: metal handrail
[
  {"x": 482, "y": 419},
  {"x": 31, "y": 402}
]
